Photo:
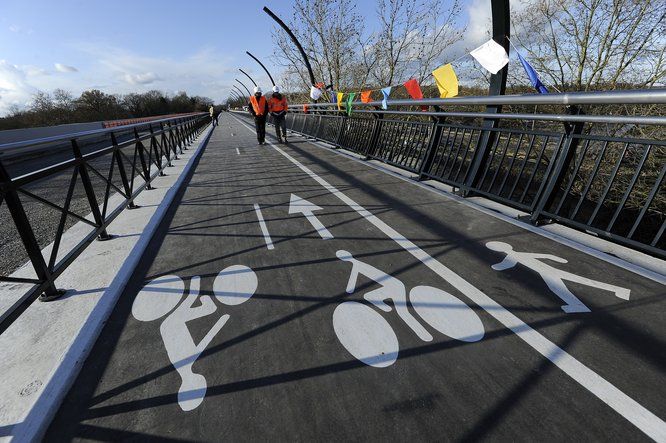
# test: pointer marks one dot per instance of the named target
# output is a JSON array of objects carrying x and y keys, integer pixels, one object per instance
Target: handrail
[
  {"x": 617, "y": 119},
  {"x": 638, "y": 96}
]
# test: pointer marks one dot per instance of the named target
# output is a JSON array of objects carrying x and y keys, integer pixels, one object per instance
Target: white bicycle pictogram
[
  {"x": 369, "y": 337},
  {"x": 164, "y": 295}
]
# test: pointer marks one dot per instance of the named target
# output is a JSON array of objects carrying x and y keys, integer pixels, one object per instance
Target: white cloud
[
  {"x": 141, "y": 79},
  {"x": 65, "y": 68},
  {"x": 20, "y": 30},
  {"x": 14, "y": 87}
]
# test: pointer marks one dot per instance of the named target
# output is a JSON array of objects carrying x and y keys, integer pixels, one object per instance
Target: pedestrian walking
[
  {"x": 211, "y": 111},
  {"x": 259, "y": 109},
  {"x": 277, "y": 105}
]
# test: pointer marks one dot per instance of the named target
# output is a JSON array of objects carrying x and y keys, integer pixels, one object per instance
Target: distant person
[
  {"x": 259, "y": 109},
  {"x": 277, "y": 105},
  {"x": 211, "y": 111}
]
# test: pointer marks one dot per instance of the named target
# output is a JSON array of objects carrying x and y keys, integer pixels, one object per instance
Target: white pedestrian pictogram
[
  {"x": 553, "y": 277},
  {"x": 232, "y": 286}
]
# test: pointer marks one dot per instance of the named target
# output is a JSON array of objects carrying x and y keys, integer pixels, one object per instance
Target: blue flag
[
  {"x": 385, "y": 92},
  {"x": 531, "y": 73},
  {"x": 334, "y": 97}
]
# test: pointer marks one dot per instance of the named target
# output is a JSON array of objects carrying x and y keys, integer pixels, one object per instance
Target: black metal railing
[
  {"x": 589, "y": 160},
  {"x": 99, "y": 172}
]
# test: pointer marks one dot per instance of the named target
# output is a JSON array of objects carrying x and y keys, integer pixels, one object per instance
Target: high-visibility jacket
[
  {"x": 259, "y": 106},
  {"x": 276, "y": 104}
]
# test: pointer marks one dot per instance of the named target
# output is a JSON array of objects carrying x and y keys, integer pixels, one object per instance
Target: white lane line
[
  {"x": 237, "y": 151},
  {"x": 264, "y": 228},
  {"x": 630, "y": 409}
]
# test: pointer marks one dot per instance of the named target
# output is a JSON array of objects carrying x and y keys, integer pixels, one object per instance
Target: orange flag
[{"x": 366, "y": 96}]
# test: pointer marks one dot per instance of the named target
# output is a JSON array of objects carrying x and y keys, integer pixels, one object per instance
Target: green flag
[{"x": 350, "y": 99}]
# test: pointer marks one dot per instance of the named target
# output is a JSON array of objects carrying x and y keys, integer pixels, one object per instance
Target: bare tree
[
  {"x": 413, "y": 36},
  {"x": 595, "y": 44},
  {"x": 328, "y": 31}
]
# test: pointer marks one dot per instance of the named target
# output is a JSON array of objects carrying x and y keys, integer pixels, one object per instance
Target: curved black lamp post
[
  {"x": 249, "y": 94},
  {"x": 235, "y": 96},
  {"x": 242, "y": 94},
  {"x": 248, "y": 76},
  {"x": 262, "y": 65},
  {"x": 296, "y": 42}
]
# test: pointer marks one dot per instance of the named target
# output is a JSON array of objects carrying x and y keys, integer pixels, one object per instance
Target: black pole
[
  {"x": 248, "y": 76},
  {"x": 501, "y": 29},
  {"x": 242, "y": 93},
  {"x": 235, "y": 96},
  {"x": 262, "y": 65},
  {"x": 296, "y": 42},
  {"x": 249, "y": 94}
]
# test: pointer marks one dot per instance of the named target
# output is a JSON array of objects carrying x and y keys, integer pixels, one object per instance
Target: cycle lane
[
  {"x": 621, "y": 341},
  {"x": 280, "y": 369}
]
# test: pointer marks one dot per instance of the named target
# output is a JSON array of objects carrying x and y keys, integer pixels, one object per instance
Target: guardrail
[
  {"x": 123, "y": 160},
  {"x": 584, "y": 161}
]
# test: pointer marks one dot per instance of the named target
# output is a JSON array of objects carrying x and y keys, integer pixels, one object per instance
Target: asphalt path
[{"x": 242, "y": 322}]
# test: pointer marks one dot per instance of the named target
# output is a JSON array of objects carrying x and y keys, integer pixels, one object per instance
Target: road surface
[{"x": 294, "y": 293}]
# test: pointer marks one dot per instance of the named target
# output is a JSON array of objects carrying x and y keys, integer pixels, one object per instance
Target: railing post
[
  {"x": 501, "y": 30},
  {"x": 121, "y": 169},
  {"x": 376, "y": 130},
  {"x": 28, "y": 238},
  {"x": 153, "y": 149},
  {"x": 433, "y": 144},
  {"x": 90, "y": 192},
  {"x": 140, "y": 148},
  {"x": 338, "y": 136},
  {"x": 172, "y": 141},
  {"x": 559, "y": 172}
]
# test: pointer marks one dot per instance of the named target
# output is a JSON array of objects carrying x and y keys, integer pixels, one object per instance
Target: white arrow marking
[{"x": 302, "y": 206}]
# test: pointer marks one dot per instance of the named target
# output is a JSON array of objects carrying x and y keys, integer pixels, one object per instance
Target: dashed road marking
[{"x": 264, "y": 228}]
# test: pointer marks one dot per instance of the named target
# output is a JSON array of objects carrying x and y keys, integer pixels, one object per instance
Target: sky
[{"x": 123, "y": 46}]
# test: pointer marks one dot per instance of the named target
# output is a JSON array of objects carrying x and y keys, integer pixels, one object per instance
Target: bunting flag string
[
  {"x": 315, "y": 93},
  {"x": 446, "y": 81},
  {"x": 531, "y": 73},
  {"x": 385, "y": 93},
  {"x": 366, "y": 96},
  {"x": 491, "y": 55},
  {"x": 350, "y": 100}
]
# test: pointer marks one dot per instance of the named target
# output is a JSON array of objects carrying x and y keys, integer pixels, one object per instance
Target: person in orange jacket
[
  {"x": 259, "y": 109},
  {"x": 277, "y": 106}
]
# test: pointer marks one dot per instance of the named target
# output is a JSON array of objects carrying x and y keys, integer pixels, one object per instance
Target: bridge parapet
[
  {"x": 581, "y": 159},
  {"x": 99, "y": 171}
]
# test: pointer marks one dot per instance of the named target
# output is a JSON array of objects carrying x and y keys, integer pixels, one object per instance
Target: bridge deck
[{"x": 504, "y": 360}]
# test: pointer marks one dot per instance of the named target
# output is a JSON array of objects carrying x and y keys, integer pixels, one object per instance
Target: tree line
[
  {"x": 61, "y": 107},
  {"x": 575, "y": 45}
]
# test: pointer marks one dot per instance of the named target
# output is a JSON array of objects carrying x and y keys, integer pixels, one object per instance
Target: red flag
[
  {"x": 366, "y": 96},
  {"x": 319, "y": 85},
  {"x": 306, "y": 108},
  {"x": 414, "y": 91}
]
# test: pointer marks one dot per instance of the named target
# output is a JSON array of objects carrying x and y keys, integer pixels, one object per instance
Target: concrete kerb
[{"x": 25, "y": 412}]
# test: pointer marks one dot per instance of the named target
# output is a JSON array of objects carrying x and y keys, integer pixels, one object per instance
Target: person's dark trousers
[
  {"x": 280, "y": 122},
  {"x": 260, "y": 125}
]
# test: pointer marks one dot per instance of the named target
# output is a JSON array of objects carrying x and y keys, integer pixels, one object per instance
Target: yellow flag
[
  {"x": 340, "y": 95},
  {"x": 446, "y": 80}
]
